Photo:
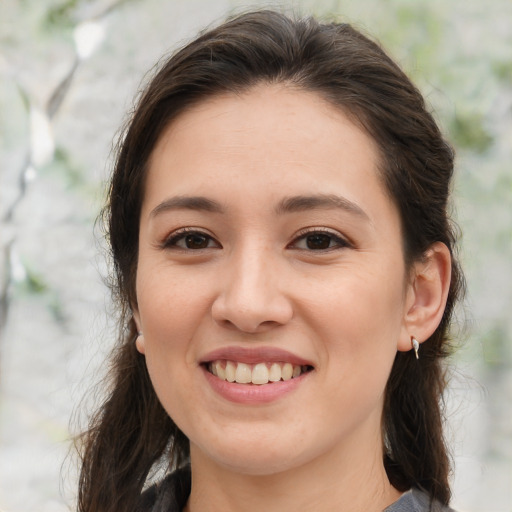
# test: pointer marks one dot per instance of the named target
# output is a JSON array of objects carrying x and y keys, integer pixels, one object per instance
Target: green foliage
[
  {"x": 66, "y": 169},
  {"x": 24, "y": 97},
  {"x": 61, "y": 15},
  {"x": 56, "y": 308},
  {"x": 502, "y": 69},
  {"x": 33, "y": 283},
  {"x": 496, "y": 346},
  {"x": 468, "y": 132}
]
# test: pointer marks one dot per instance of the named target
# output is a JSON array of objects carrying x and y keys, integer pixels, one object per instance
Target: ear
[
  {"x": 426, "y": 295},
  {"x": 139, "y": 341}
]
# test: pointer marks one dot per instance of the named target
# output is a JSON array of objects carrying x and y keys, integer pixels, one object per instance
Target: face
[{"x": 270, "y": 255}]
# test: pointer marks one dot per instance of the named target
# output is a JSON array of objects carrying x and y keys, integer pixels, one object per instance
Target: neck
[{"x": 350, "y": 480}]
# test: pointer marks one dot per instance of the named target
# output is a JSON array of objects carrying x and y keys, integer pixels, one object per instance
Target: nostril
[
  {"x": 228, "y": 324},
  {"x": 253, "y": 317},
  {"x": 246, "y": 326}
]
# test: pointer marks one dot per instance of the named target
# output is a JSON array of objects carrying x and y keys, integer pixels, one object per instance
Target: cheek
[
  {"x": 169, "y": 302},
  {"x": 170, "y": 314},
  {"x": 357, "y": 323},
  {"x": 365, "y": 302},
  {"x": 169, "y": 318}
]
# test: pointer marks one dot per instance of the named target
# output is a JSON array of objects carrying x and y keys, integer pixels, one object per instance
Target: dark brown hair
[{"x": 131, "y": 433}]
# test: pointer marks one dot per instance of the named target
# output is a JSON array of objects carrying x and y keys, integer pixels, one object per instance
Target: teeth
[
  {"x": 219, "y": 370},
  {"x": 275, "y": 372},
  {"x": 287, "y": 371},
  {"x": 243, "y": 374},
  {"x": 260, "y": 373},
  {"x": 230, "y": 371}
]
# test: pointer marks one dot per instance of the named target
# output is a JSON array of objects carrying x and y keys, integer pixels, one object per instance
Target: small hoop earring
[{"x": 415, "y": 346}]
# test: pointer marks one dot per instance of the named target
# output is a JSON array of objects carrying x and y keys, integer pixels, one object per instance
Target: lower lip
[{"x": 253, "y": 393}]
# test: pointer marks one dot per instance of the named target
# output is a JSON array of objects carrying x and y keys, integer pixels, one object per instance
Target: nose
[{"x": 250, "y": 297}]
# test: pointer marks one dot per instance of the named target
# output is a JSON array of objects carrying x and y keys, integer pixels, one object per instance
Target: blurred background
[{"x": 69, "y": 70}]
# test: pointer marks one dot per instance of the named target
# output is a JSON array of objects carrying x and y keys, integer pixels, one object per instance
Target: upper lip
[{"x": 253, "y": 355}]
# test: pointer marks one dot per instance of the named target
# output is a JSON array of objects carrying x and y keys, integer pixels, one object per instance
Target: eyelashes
[
  {"x": 190, "y": 239},
  {"x": 318, "y": 239},
  {"x": 309, "y": 239}
]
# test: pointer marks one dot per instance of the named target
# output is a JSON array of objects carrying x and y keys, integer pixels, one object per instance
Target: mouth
[{"x": 260, "y": 373}]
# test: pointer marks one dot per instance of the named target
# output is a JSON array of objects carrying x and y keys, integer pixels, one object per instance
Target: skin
[{"x": 259, "y": 281}]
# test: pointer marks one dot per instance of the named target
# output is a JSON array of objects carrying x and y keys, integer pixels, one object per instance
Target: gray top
[
  {"x": 171, "y": 495},
  {"x": 416, "y": 501}
]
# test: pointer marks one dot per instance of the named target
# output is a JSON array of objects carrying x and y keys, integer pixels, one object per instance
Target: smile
[{"x": 259, "y": 373}]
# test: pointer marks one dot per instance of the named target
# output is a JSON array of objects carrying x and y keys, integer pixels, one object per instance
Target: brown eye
[
  {"x": 190, "y": 240},
  {"x": 196, "y": 241},
  {"x": 318, "y": 241}
]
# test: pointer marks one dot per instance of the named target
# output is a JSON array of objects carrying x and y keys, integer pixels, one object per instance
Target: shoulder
[
  {"x": 417, "y": 501},
  {"x": 169, "y": 495}
]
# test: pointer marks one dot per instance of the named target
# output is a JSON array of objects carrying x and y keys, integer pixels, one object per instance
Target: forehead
[
  {"x": 273, "y": 139},
  {"x": 279, "y": 109}
]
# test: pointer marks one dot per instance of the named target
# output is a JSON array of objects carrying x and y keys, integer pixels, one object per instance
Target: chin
[
  {"x": 259, "y": 466},
  {"x": 257, "y": 459}
]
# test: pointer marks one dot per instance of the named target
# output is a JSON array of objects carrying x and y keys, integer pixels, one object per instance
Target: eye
[
  {"x": 319, "y": 240},
  {"x": 190, "y": 239}
]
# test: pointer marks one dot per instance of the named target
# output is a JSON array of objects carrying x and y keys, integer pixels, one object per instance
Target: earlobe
[
  {"x": 426, "y": 296},
  {"x": 139, "y": 340}
]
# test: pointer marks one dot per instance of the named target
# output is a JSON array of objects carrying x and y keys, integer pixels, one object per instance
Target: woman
[{"x": 285, "y": 264}]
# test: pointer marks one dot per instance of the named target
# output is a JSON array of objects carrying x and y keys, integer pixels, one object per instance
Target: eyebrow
[
  {"x": 187, "y": 203},
  {"x": 319, "y": 201},
  {"x": 287, "y": 205}
]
